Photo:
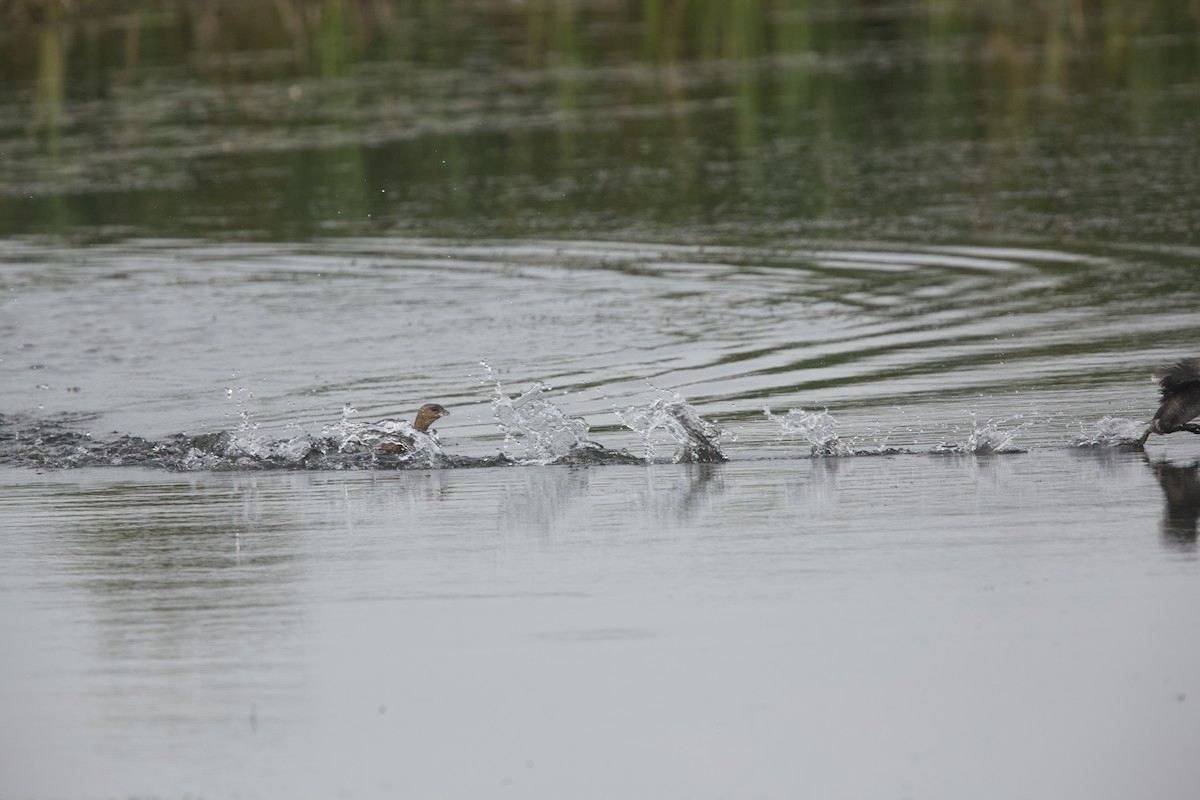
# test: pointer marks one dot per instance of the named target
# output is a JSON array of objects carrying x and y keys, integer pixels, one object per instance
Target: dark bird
[
  {"x": 426, "y": 416},
  {"x": 1180, "y": 385}
]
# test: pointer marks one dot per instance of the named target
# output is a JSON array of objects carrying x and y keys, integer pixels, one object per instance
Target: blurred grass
[{"x": 286, "y": 118}]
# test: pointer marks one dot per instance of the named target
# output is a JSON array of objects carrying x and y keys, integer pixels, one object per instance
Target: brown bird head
[{"x": 427, "y": 415}]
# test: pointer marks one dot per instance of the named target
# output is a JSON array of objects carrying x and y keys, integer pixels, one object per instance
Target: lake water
[
  {"x": 794, "y": 353},
  {"x": 897, "y": 626}
]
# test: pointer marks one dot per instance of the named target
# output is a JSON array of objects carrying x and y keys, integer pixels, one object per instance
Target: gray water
[
  {"x": 794, "y": 354},
  {"x": 906, "y": 346},
  {"x": 1004, "y": 626}
]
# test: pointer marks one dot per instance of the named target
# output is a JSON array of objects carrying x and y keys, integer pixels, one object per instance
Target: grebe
[{"x": 426, "y": 416}]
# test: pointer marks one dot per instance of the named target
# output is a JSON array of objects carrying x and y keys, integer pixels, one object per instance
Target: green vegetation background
[{"x": 920, "y": 120}]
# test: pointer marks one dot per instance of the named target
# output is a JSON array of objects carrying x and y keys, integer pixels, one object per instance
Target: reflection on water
[
  {"x": 540, "y": 500},
  {"x": 182, "y": 574},
  {"x": 171, "y": 604},
  {"x": 1181, "y": 490},
  {"x": 216, "y": 630}
]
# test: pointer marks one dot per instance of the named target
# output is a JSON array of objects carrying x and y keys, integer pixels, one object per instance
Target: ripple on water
[{"x": 902, "y": 345}]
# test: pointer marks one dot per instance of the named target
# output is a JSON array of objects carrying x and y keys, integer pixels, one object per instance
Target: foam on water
[
  {"x": 236, "y": 450},
  {"x": 1109, "y": 432}
]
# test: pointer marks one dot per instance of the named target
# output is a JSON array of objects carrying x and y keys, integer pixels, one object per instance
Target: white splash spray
[
  {"x": 695, "y": 439},
  {"x": 818, "y": 428}
]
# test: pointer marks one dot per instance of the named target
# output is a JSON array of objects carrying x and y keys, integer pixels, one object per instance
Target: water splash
[
  {"x": 990, "y": 438},
  {"x": 1109, "y": 432},
  {"x": 538, "y": 432},
  {"x": 59, "y": 444},
  {"x": 694, "y": 438},
  {"x": 230, "y": 450},
  {"x": 818, "y": 428},
  {"x": 240, "y": 395},
  {"x": 386, "y": 442},
  {"x": 536, "y": 429},
  {"x": 243, "y": 447}
]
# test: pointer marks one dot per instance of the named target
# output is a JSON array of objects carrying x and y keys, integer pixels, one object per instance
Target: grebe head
[{"x": 429, "y": 414}]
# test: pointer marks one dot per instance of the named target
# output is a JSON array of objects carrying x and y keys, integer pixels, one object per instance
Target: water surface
[
  {"x": 906, "y": 346},
  {"x": 793, "y": 352},
  {"x": 988, "y": 626}
]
